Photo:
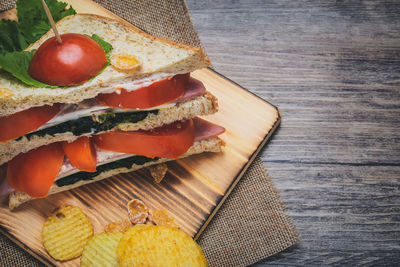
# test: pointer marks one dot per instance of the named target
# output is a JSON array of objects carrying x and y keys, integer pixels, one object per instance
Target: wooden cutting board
[{"x": 194, "y": 188}]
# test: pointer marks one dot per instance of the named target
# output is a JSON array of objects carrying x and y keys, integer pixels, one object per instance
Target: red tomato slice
[
  {"x": 35, "y": 171},
  {"x": 23, "y": 122},
  {"x": 170, "y": 141},
  {"x": 156, "y": 94},
  {"x": 81, "y": 153}
]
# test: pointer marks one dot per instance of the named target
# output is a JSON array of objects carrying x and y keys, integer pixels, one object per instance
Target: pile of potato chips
[{"x": 68, "y": 234}]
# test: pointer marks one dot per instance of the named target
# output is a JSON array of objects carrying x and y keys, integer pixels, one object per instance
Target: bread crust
[{"x": 214, "y": 144}]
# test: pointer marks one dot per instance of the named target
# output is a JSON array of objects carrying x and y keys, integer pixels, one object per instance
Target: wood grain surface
[
  {"x": 194, "y": 187},
  {"x": 333, "y": 69}
]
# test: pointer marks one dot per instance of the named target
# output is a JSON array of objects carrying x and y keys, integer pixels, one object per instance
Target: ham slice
[
  {"x": 195, "y": 88},
  {"x": 204, "y": 130},
  {"x": 5, "y": 188}
]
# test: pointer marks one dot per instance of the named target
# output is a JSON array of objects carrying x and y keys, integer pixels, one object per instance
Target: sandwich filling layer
[
  {"x": 214, "y": 145},
  {"x": 92, "y": 124},
  {"x": 91, "y": 107},
  {"x": 107, "y": 160}
]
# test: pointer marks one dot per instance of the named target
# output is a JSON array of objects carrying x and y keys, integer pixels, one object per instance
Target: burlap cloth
[{"x": 253, "y": 223}]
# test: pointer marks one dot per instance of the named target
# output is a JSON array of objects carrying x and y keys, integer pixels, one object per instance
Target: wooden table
[{"x": 333, "y": 69}]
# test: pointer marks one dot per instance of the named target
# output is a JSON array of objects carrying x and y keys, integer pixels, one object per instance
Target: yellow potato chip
[
  {"x": 138, "y": 211},
  {"x": 128, "y": 234},
  {"x": 161, "y": 217},
  {"x": 100, "y": 250},
  {"x": 121, "y": 226},
  {"x": 66, "y": 232},
  {"x": 161, "y": 246}
]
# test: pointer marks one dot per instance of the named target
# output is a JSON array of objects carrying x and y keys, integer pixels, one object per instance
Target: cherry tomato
[
  {"x": 81, "y": 153},
  {"x": 169, "y": 141},
  {"x": 26, "y": 121},
  {"x": 155, "y": 94},
  {"x": 35, "y": 171},
  {"x": 77, "y": 59}
]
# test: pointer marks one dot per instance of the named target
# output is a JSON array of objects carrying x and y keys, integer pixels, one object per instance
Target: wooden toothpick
[{"x": 53, "y": 25}]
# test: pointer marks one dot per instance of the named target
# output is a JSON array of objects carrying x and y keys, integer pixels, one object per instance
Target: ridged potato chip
[
  {"x": 161, "y": 246},
  {"x": 66, "y": 232},
  {"x": 100, "y": 250},
  {"x": 127, "y": 235}
]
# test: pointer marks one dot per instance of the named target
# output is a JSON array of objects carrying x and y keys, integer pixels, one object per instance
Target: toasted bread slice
[
  {"x": 159, "y": 58},
  {"x": 208, "y": 145},
  {"x": 202, "y": 105}
]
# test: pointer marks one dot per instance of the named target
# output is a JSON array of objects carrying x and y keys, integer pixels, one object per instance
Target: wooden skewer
[{"x": 53, "y": 25}]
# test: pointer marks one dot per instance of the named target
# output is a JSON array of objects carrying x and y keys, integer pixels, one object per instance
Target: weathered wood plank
[{"x": 333, "y": 69}]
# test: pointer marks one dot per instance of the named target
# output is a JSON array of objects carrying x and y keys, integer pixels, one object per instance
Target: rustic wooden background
[{"x": 333, "y": 69}]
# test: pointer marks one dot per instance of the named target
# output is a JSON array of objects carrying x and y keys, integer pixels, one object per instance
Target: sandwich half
[
  {"x": 160, "y": 59},
  {"x": 140, "y": 110}
]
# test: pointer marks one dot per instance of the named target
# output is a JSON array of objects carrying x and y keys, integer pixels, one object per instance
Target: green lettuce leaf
[
  {"x": 32, "y": 24},
  {"x": 33, "y": 20},
  {"x": 17, "y": 64},
  {"x": 107, "y": 47},
  {"x": 11, "y": 37}
]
